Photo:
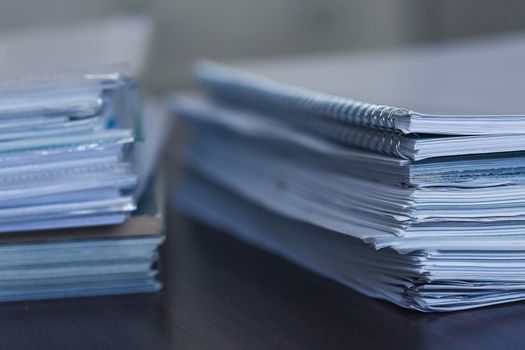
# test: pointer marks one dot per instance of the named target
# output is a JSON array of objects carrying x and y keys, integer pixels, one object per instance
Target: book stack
[
  {"x": 67, "y": 183},
  {"x": 425, "y": 210}
]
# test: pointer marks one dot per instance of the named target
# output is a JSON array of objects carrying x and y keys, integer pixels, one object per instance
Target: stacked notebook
[
  {"x": 68, "y": 203},
  {"x": 426, "y": 210}
]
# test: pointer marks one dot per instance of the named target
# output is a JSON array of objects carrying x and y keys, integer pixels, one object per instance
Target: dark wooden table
[{"x": 221, "y": 293}]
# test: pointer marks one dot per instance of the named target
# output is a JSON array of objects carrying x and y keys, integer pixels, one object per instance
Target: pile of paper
[
  {"x": 62, "y": 164},
  {"x": 433, "y": 220},
  {"x": 68, "y": 186},
  {"x": 90, "y": 261}
]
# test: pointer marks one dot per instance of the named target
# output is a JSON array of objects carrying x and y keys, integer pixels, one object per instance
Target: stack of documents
[
  {"x": 90, "y": 261},
  {"x": 64, "y": 152},
  {"x": 426, "y": 210},
  {"x": 68, "y": 184}
]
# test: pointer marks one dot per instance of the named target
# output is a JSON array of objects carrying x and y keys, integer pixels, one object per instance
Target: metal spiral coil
[
  {"x": 254, "y": 90},
  {"x": 356, "y": 123}
]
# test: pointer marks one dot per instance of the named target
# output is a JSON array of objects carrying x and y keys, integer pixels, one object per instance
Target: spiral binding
[
  {"x": 245, "y": 88},
  {"x": 372, "y": 140},
  {"x": 359, "y": 124}
]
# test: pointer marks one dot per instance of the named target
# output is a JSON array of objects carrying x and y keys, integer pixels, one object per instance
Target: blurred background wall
[{"x": 189, "y": 29}]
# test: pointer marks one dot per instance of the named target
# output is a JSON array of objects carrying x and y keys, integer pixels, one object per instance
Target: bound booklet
[
  {"x": 227, "y": 128},
  {"x": 389, "y": 129}
]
